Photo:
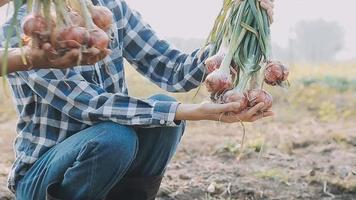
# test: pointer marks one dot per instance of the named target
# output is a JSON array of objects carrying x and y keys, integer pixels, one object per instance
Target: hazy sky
[{"x": 194, "y": 18}]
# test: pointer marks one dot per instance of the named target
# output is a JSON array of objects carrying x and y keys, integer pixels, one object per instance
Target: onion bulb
[
  {"x": 275, "y": 73},
  {"x": 256, "y": 96},
  {"x": 102, "y": 17},
  {"x": 238, "y": 97},
  {"x": 218, "y": 82}
]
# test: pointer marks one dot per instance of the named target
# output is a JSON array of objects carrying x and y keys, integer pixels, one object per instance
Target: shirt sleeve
[
  {"x": 157, "y": 60},
  {"x": 89, "y": 103}
]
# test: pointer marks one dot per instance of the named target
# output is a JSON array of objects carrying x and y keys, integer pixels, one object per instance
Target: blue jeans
[{"x": 90, "y": 163}]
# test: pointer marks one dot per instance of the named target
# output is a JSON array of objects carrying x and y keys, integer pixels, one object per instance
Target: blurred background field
[{"x": 307, "y": 151}]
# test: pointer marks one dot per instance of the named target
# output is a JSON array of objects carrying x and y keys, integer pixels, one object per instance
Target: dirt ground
[{"x": 299, "y": 160}]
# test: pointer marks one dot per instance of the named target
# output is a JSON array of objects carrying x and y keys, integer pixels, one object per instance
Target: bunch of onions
[
  {"x": 66, "y": 25},
  {"x": 68, "y": 35},
  {"x": 220, "y": 78},
  {"x": 243, "y": 29}
]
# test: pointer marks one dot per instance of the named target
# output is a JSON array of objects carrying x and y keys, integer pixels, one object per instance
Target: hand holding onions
[
  {"x": 62, "y": 34},
  {"x": 240, "y": 58}
]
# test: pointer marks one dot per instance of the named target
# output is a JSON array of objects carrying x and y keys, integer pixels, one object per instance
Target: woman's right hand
[
  {"x": 220, "y": 112},
  {"x": 47, "y": 57}
]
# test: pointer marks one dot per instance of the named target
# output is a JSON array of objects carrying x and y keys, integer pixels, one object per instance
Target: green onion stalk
[
  {"x": 9, "y": 34},
  {"x": 245, "y": 27}
]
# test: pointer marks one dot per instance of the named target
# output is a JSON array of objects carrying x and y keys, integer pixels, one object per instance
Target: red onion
[
  {"x": 99, "y": 39},
  {"x": 214, "y": 62},
  {"x": 76, "y": 18},
  {"x": 102, "y": 17},
  {"x": 218, "y": 82},
  {"x": 235, "y": 96},
  {"x": 73, "y": 37},
  {"x": 35, "y": 26},
  {"x": 275, "y": 73},
  {"x": 256, "y": 96}
]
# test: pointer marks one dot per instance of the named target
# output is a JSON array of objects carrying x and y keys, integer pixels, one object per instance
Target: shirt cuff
[{"x": 164, "y": 113}]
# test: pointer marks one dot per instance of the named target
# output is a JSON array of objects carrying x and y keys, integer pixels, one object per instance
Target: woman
[{"x": 80, "y": 134}]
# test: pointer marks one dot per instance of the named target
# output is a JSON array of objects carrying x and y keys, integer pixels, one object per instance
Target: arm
[
  {"x": 90, "y": 104},
  {"x": 157, "y": 60},
  {"x": 43, "y": 58},
  {"x": 15, "y": 62}
]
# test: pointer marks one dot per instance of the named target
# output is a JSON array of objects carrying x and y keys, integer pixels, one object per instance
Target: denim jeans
[{"x": 90, "y": 163}]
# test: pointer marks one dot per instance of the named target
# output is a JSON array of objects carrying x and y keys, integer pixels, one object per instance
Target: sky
[{"x": 194, "y": 18}]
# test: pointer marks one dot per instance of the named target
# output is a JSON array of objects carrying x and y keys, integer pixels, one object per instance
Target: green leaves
[{"x": 245, "y": 27}]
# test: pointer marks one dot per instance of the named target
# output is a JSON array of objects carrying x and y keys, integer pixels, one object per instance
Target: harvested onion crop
[
  {"x": 66, "y": 25},
  {"x": 240, "y": 42}
]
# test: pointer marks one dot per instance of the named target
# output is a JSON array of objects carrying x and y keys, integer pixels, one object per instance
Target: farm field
[{"x": 307, "y": 151}]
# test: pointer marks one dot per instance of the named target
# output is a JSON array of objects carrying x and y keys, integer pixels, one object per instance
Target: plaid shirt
[{"x": 54, "y": 104}]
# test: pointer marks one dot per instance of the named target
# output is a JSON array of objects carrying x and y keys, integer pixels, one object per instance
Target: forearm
[
  {"x": 15, "y": 61},
  {"x": 202, "y": 111},
  {"x": 189, "y": 112}
]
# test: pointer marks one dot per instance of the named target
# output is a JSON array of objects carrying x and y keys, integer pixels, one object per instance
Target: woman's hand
[
  {"x": 47, "y": 57},
  {"x": 220, "y": 112}
]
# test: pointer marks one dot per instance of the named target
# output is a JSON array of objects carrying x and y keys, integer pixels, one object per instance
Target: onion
[
  {"x": 76, "y": 18},
  {"x": 218, "y": 82},
  {"x": 98, "y": 39},
  {"x": 35, "y": 26},
  {"x": 275, "y": 73},
  {"x": 102, "y": 17},
  {"x": 235, "y": 96},
  {"x": 214, "y": 62},
  {"x": 256, "y": 96},
  {"x": 73, "y": 37}
]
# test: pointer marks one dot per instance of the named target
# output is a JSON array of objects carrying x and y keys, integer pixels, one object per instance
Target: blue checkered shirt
[{"x": 54, "y": 104}]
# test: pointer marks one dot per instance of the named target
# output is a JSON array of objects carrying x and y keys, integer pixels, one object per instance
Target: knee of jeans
[
  {"x": 162, "y": 97},
  {"x": 118, "y": 140}
]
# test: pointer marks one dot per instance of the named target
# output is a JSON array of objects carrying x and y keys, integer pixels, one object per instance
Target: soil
[{"x": 299, "y": 160}]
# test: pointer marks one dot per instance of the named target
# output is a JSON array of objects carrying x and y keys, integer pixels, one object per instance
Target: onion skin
[
  {"x": 238, "y": 97},
  {"x": 214, "y": 62},
  {"x": 73, "y": 37},
  {"x": 76, "y": 18},
  {"x": 256, "y": 96},
  {"x": 275, "y": 73},
  {"x": 36, "y": 26},
  {"x": 218, "y": 82},
  {"x": 102, "y": 17},
  {"x": 99, "y": 39}
]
